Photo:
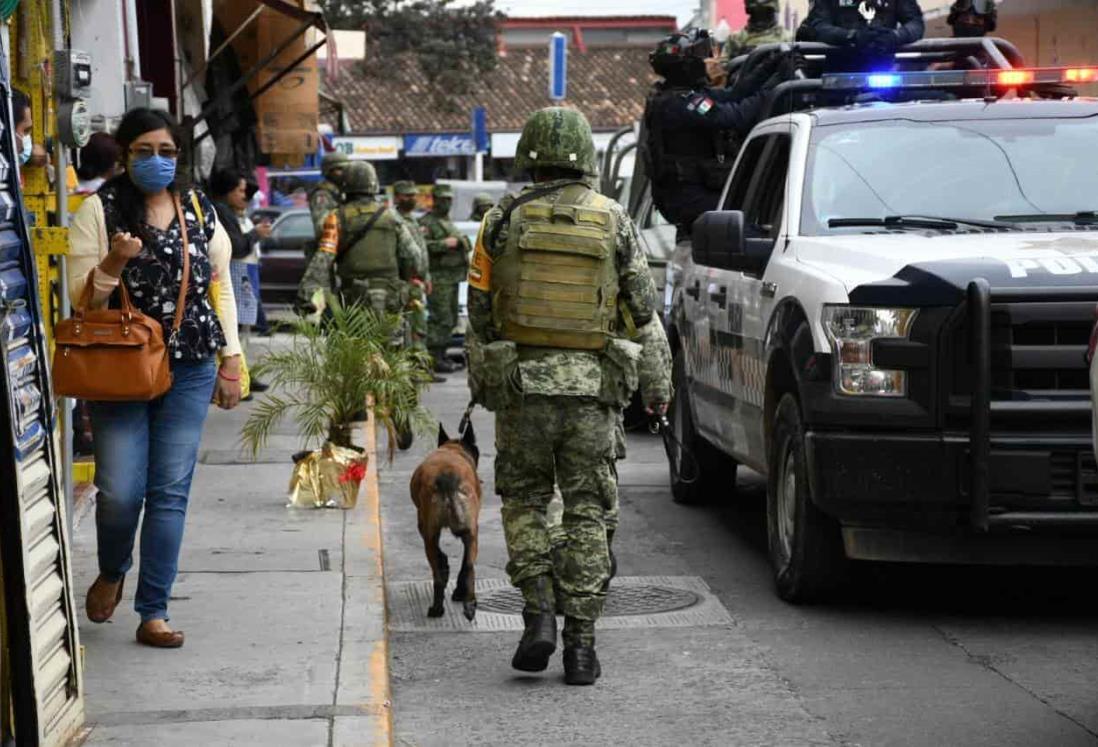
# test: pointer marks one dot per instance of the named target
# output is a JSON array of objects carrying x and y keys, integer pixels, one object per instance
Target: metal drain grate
[
  {"x": 642, "y": 599},
  {"x": 633, "y": 602}
]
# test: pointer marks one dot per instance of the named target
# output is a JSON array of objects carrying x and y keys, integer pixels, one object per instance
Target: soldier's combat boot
[
  {"x": 444, "y": 364},
  {"x": 539, "y": 640},
  {"x": 581, "y": 664}
]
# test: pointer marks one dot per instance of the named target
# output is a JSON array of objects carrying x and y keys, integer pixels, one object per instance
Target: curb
[{"x": 380, "y": 690}]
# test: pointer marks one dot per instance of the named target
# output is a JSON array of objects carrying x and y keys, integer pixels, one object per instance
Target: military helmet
[
  {"x": 443, "y": 190},
  {"x": 360, "y": 178},
  {"x": 333, "y": 161},
  {"x": 483, "y": 199},
  {"x": 681, "y": 56},
  {"x": 559, "y": 137},
  {"x": 404, "y": 187},
  {"x": 753, "y": 6}
]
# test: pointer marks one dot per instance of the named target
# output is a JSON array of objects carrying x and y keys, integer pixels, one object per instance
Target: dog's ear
[
  {"x": 469, "y": 438},
  {"x": 442, "y": 437}
]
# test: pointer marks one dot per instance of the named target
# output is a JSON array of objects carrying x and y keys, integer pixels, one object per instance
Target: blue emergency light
[{"x": 1012, "y": 78}]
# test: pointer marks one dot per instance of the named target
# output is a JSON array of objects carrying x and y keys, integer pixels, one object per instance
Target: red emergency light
[
  {"x": 1081, "y": 75},
  {"x": 1014, "y": 77}
]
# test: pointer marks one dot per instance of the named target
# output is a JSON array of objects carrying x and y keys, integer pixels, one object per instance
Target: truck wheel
[
  {"x": 806, "y": 550},
  {"x": 714, "y": 474}
]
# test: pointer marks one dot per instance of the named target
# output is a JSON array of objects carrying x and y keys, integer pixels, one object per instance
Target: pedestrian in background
[
  {"x": 228, "y": 188},
  {"x": 145, "y": 452},
  {"x": 449, "y": 250},
  {"x": 98, "y": 162},
  {"x": 404, "y": 201}
]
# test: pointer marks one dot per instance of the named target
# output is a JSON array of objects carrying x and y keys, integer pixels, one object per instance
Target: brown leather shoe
[
  {"x": 100, "y": 603},
  {"x": 172, "y": 639}
]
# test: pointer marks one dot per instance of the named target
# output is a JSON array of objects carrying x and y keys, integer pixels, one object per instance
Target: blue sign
[
  {"x": 439, "y": 145},
  {"x": 480, "y": 129},
  {"x": 558, "y": 66}
]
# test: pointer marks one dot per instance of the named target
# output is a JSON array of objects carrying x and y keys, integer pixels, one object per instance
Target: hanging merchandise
[{"x": 42, "y": 659}]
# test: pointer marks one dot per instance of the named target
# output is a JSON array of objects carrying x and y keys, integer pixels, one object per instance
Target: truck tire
[
  {"x": 716, "y": 471},
  {"x": 806, "y": 550}
]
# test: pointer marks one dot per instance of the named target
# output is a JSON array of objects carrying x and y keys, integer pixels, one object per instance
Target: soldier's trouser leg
[
  {"x": 417, "y": 317},
  {"x": 442, "y": 309},
  {"x": 524, "y": 481}
]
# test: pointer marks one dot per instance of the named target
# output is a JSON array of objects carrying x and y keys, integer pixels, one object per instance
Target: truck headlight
[{"x": 852, "y": 330}]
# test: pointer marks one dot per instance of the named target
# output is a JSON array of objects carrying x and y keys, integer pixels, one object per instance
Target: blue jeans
[{"x": 145, "y": 454}]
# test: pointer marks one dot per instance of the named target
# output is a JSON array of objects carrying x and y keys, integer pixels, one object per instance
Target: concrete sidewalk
[{"x": 284, "y": 611}]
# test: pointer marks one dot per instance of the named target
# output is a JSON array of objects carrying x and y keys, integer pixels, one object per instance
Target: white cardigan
[{"x": 88, "y": 245}]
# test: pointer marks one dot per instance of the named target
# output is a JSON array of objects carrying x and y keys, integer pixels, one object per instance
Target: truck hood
[{"x": 935, "y": 268}]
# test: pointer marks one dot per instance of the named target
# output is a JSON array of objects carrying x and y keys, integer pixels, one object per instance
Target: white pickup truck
[{"x": 887, "y": 317}]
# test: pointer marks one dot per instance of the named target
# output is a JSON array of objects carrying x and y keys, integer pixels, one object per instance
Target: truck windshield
[{"x": 972, "y": 169}]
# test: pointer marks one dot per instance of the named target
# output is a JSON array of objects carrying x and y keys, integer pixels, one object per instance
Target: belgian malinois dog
[{"x": 446, "y": 491}]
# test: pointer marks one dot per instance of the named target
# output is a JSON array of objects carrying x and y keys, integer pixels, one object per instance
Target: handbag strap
[{"x": 180, "y": 304}]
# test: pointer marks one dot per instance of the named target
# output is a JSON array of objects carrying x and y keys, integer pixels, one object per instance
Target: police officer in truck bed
[{"x": 871, "y": 29}]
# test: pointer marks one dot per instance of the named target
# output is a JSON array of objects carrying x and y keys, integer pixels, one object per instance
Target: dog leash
[{"x": 659, "y": 424}]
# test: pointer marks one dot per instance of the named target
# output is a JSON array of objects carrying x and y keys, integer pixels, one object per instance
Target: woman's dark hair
[
  {"x": 130, "y": 200},
  {"x": 224, "y": 181},
  {"x": 99, "y": 156},
  {"x": 20, "y": 102}
]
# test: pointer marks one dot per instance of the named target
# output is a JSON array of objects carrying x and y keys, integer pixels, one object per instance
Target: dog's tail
[{"x": 448, "y": 492}]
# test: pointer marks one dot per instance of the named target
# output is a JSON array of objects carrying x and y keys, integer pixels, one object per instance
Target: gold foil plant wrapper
[{"x": 328, "y": 478}]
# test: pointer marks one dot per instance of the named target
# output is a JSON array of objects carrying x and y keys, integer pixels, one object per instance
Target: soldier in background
[
  {"x": 482, "y": 203},
  {"x": 972, "y": 18},
  {"x": 448, "y": 249},
  {"x": 762, "y": 28},
  {"x": 576, "y": 373},
  {"x": 327, "y": 195},
  {"x": 404, "y": 200},
  {"x": 372, "y": 251}
]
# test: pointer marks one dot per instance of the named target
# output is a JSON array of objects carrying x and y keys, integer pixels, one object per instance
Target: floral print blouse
[{"x": 153, "y": 277}]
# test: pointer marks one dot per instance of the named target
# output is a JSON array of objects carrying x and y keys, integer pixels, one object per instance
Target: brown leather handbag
[{"x": 117, "y": 355}]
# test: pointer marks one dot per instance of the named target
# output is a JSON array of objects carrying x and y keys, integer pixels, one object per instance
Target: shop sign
[
  {"x": 369, "y": 148},
  {"x": 439, "y": 145}
]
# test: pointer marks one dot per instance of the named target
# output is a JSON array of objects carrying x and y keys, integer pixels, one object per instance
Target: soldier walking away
[
  {"x": 404, "y": 199},
  {"x": 871, "y": 30},
  {"x": 972, "y": 18},
  {"x": 692, "y": 130},
  {"x": 449, "y": 250},
  {"x": 562, "y": 329},
  {"x": 482, "y": 203},
  {"x": 327, "y": 195},
  {"x": 762, "y": 28},
  {"x": 373, "y": 252}
]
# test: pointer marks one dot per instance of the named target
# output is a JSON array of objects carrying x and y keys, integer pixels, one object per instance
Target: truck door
[
  {"x": 740, "y": 304},
  {"x": 701, "y": 286}
]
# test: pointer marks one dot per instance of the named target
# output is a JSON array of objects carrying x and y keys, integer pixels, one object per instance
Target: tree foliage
[{"x": 453, "y": 45}]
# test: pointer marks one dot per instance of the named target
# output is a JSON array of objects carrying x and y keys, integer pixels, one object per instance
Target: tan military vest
[
  {"x": 556, "y": 283},
  {"x": 374, "y": 256}
]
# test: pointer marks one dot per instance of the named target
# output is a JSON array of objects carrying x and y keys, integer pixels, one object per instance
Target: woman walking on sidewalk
[{"x": 145, "y": 452}]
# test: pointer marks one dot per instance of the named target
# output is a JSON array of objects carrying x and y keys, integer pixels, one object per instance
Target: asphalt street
[{"x": 912, "y": 656}]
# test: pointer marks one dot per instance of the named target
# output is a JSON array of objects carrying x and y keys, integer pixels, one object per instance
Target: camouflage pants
[
  {"x": 568, "y": 441},
  {"x": 442, "y": 310},
  {"x": 555, "y": 511},
  {"x": 417, "y": 317}
]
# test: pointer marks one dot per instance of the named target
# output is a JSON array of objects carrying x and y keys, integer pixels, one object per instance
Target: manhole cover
[{"x": 622, "y": 601}]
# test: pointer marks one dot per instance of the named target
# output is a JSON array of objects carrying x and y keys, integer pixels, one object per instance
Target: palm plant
[{"x": 328, "y": 373}]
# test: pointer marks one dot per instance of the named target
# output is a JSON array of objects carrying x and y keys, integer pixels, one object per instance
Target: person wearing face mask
[
  {"x": 129, "y": 233},
  {"x": 21, "y": 116},
  {"x": 404, "y": 200},
  {"x": 972, "y": 18},
  {"x": 449, "y": 250}
]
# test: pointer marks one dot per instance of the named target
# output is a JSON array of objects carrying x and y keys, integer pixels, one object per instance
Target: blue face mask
[
  {"x": 152, "y": 173},
  {"x": 27, "y": 148}
]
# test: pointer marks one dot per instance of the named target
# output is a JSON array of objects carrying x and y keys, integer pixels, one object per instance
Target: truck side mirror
[{"x": 717, "y": 237}]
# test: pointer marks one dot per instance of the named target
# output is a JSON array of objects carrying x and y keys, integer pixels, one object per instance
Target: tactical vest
[
  {"x": 374, "y": 256},
  {"x": 701, "y": 156},
  {"x": 556, "y": 283}
]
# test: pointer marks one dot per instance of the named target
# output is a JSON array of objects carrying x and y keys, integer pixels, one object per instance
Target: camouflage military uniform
[
  {"x": 376, "y": 266},
  {"x": 561, "y": 427},
  {"x": 482, "y": 203},
  {"x": 417, "y": 314},
  {"x": 762, "y": 28},
  {"x": 327, "y": 195},
  {"x": 448, "y": 269}
]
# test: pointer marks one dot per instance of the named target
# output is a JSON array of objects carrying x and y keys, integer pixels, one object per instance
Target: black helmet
[{"x": 680, "y": 58}]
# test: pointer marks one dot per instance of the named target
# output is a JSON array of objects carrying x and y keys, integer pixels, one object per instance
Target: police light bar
[{"x": 958, "y": 78}]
